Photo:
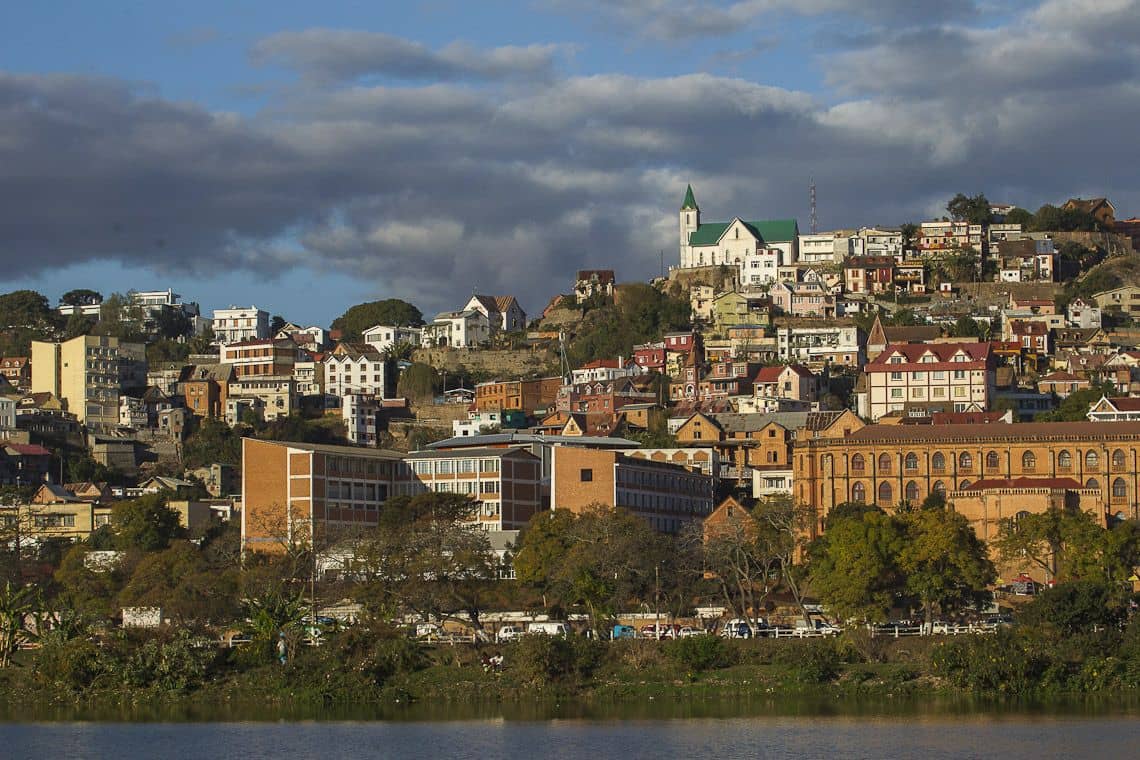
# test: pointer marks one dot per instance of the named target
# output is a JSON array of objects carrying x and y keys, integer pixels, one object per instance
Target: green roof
[
  {"x": 690, "y": 201},
  {"x": 770, "y": 231}
]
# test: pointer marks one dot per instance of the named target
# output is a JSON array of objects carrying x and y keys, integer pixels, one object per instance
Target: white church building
[{"x": 758, "y": 249}]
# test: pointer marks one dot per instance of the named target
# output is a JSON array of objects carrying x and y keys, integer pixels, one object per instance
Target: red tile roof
[
  {"x": 978, "y": 353},
  {"x": 1125, "y": 404},
  {"x": 965, "y": 418},
  {"x": 26, "y": 449},
  {"x": 992, "y": 484}
]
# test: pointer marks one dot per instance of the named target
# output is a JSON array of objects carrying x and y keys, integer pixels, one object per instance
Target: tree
[
  {"x": 1069, "y": 543},
  {"x": 81, "y": 297},
  {"x": 967, "y": 327},
  {"x": 276, "y": 322},
  {"x": 172, "y": 323},
  {"x": 854, "y": 565},
  {"x": 1075, "y": 406},
  {"x": 1075, "y": 606},
  {"x": 77, "y": 325},
  {"x": 973, "y": 209},
  {"x": 180, "y": 581},
  {"x": 1020, "y": 216},
  {"x": 909, "y": 232},
  {"x": 738, "y": 554},
  {"x": 212, "y": 441},
  {"x": 944, "y": 562},
  {"x": 418, "y": 382},
  {"x": 391, "y": 311},
  {"x": 120, "y": 317},
  {"x": 16, "y": 604},
  {"x": 26, "y": 308},
  {"x": 145, "y": 523}
]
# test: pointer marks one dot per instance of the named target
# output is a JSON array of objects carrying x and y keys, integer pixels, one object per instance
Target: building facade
[{"x": 237, "y": 324}]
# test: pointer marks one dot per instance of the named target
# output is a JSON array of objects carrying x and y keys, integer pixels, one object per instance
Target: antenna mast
[{"x": 814, "y": 219}]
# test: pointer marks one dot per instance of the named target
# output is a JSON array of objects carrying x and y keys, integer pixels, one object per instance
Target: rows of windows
[
  {"x": 661, "y": 502},
  {"x": 452, "y": 466},
  {"x": 911, "y": 491},
  {"x": 938, "y": 461}
]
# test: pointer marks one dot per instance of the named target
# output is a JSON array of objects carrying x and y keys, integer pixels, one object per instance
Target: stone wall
[{"x": 493, "y": 364}]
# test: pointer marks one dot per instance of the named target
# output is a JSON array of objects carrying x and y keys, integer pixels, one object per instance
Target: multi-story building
[
  {"x": 668, "y": 496},
  {"x": 257, "y": 358},
  {"x": 356, "y": 368},
  {"x": 506, "y": 483},
  {"x": 881, "y": 241},
  {"x": 205, "y": 387},
  {"x": 923, "y": 378},
  {"x": 237, "y": 324},
  {"x": 527, "y": 395},
  {"x": 990, "y": 473},
  {"x": 382, "y": 337},
  {"x": 938, "y": 238},
  {"x": 810, "y": 298},
  {"x": 87, "y": 373},
  {"x": 457, "y": 329},
  {"x": 1081, "y": 313},
  {"x": 731, "y": 243},
  {"x": 23, "y": 464},
  {"x": 309, "y": 377},
  {"x": 307, "y": 494},
  {"x": 816, "y": 346},
  {"x": 8, "y": 412},
  {"x": 359, "y": 412},
  {"x": 502, "y": 312},
  {"x": 650, "y": 356},
  {"x": 594, "y": 282},
  {"x": 869, "y": 274},
  {"x": 1123, "y": 300},
  {"x": 604, "y": 370},
  {"x": 773, "y": 386},
  {"x": 266, "y": 397}
]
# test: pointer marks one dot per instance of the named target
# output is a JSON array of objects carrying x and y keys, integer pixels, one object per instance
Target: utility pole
[{"x": 814, "y": 219}]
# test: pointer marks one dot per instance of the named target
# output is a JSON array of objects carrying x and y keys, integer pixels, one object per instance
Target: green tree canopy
[
  {"x": 967, "y": 327},
  {"x": 144, "y": 523},
  {"x": 1020, "y": 216},
  {"x": 854, "y": 568},
  {"x": 26, "y": 308},
  {"x": 391, "y": 311},
  {"x": 641, "y": 313},
  {"x": 973, "y": 209},
  {"x": 945, "y": 564},
  {"x": 418, "y": 382}
]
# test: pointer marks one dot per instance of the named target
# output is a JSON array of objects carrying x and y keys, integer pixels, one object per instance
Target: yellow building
[{"x": 87, "y": 373}]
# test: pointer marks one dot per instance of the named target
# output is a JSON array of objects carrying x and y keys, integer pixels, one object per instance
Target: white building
[
  {"x": 923, "y": 378},
  {"x": 458, "y": 329},
  {"x": 359, "y": 412},
  {"x": 829, "y": 247},
  {"x": 1080, "y": 313},
  {"x": 502, "y": 312},
  {"x": 881, "y": 241},
  {"x": 381, "y": 337},
  {"x": 237, "y": 324},
  {"x": 356, "y": 369},
  {"x": 833, "y": 344},
  {"x": 309, "y": 377},
  {"x": 604, "y": 371},
  {"x": 267, "y": 397},
  {"x": 729, "y": 243},
  {"x": 8, "y": 412},
  {"x": 476, "y": 422}
]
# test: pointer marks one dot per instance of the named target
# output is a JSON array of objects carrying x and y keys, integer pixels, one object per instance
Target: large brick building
[
  {"x": 989, "y": 473},
  {"x": 527, "y": 395}
]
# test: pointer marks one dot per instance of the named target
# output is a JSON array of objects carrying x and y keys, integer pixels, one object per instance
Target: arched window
[
  {"x": 1064, "y": 459},
  {"x": 1028, "y": 460},
  {"x": 965, "y": 461},
  {"x": 1092, "y": 483},
  {"x": 911, "y": 491},
  {"x": 1119, "y": 489},
  {"x": 884, "y": 463},
  {"x": 939, "y": 486},
  {"x": 1118, "y": 458},
  {"x": 911, "y": 461},
  {"x": 858, "y": 463},
  {"x": 992, "y": 460},
  {"x": 1092, "y": 460},
  {"x": 858, "y": 493},
  {"x": 964, "y": 485},
  {"x": 938, "y": 461},
  {"x": 885, "y": 494}
]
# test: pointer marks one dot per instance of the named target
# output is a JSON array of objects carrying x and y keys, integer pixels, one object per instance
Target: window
[
  {"x": 1092, "y": 460},
  {"x": 1092, "y": 483},
  {"x": 992, "y": 460},
  {"x": 885, "y": 494},
  {"x": 858, "y": 493},
  {"x": 939, "y": 486},
  {"x": 1065, "y": 459},
  {"x": 1028, "y": 460},
  {"x": 911, "y": 461},
  {"x": 1118, "y": 458},
  {"x": 896, "y": 393},
  {"x": 965, "y": 461},
  {"x": 858, "y": 463},
  {"x": 938, "y": 461},
  {"x": 1119, "y": 489},
  {"x": 586, "y": 475},
  {"x": 884, "y": 463},
  {"x": 911, "y": 491}
]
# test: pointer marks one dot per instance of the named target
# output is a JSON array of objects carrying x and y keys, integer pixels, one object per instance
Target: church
[{"x": 758, "y": 249}]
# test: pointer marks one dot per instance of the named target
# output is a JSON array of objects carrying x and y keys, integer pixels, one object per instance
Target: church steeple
[{"x": 690, "y": 202}]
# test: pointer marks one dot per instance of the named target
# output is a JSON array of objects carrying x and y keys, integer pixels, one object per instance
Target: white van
[{"x": 549, "y": 629}]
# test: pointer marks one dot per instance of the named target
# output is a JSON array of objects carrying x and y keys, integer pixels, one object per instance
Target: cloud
[
  {"x": 336, "y": 55},
  {"x": 428, "y": 189}
]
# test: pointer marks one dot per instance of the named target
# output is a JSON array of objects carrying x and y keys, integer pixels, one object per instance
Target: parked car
[
  {"x": 623, "y": 632},
  {"x": 737, "y": 628},
  {"x": 509, "y": 633},
  {"x": 549, "y": 628},
  {"x": 815, "y": 626},
  {"x": 687, "y": 631},
  {"x": 666, "y": 631}
]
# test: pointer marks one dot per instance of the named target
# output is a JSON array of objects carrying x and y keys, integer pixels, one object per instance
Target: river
[{"x": 923, "y": 735}]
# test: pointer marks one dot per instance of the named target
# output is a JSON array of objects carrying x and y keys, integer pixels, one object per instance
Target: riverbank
[{"x": 368, "y": 673}]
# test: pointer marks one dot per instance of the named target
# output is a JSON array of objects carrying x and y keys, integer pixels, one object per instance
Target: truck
[
  {"x": 550, "y": 628},
  {"x": 623, "y": 632}
]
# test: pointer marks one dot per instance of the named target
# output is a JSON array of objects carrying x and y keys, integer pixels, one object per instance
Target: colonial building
[
  {"x": 594, "y": 282},
  {"x": 356, "y": 368},
  {"x": 502, "y": 312},
  {"x": 380, "y": 337},
  {"x": 237, "y": 324},
  {"x": 735, "y": 243},
  {"x": 818, "y": 346},
  {"x": 926, "y": 378},
  {"x": 260, "y": 357}
]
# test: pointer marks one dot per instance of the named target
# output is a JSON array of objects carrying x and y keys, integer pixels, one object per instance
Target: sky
[{"x": 304, "y": 157}]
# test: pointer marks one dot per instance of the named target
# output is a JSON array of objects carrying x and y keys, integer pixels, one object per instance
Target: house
[
  {"x": 8, "y": 412},
  {"x": 502, "y": 312},
  {"x": 204, "y": 388},
  {"x": 769, "y": 243},
  {"x": 381, "y": 337},
  {"x": 1061, "y": 383},
  {"x": 219, "y": 479},
  {"x": 792, "y": 382},
  {"x": 1122, "y": 300},
  {"x": 264, "y": 397},
  {"x": 1116, "y": 409},
  {"x": 312, "y": 339},
  {"x": 936, "y": 239},
  {"x": 17, "y": 370},
  {"x": 803, "y": 299},
  {"x": 820, "y": 345},
  {"x": 594, "y": 282},
  {"x": 650, "y": 356},
  {"x": 477, "y": 422},
  {"x": 604, "y": 370},
  {"x": 237, "y": 324},
  {"x": 257, "y": 358},
  {"x": 925, "y": 378},
  {"x": 829, "y": 247},
  {"x": 732, "y": 309},
  {"x": 1081, "y": 313},
  {"x": 356, "y": 368},
  {"x": 360, "y": 412},
  {"x": 468, "y": 328},
  {"x": 1032, "y": 335},
  {"x": 1100, "y": 209},
  {"x": 23, "y": 464},
  {"x": 869, "y": 274},
  {"x": 528, "y": 396},
  {"x": 881, "y": 241}
]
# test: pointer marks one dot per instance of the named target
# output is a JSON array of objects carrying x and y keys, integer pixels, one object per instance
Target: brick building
[{"x": 527, "y": 395}]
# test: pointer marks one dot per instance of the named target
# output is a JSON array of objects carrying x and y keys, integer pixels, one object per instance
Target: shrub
[
  {"x": 540, "y": 659},
  {"x": 699, "y": 652},
  {"x": 71, "y": 664},
  {"x": 175, "y": 664},
  {"x": 810, "y": 661},
  {"x": 998, "y": 664}
]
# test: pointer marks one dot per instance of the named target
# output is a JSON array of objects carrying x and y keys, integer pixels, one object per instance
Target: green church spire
[{"x": 690, "y": 201}]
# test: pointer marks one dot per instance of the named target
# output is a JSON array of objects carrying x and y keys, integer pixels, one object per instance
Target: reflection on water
[{"x": 927, "y": 735}]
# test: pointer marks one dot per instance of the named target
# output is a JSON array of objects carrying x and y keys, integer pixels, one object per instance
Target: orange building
[
  {"x": 667, "y": 495},
  {"x": 527, "y": 395}
]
